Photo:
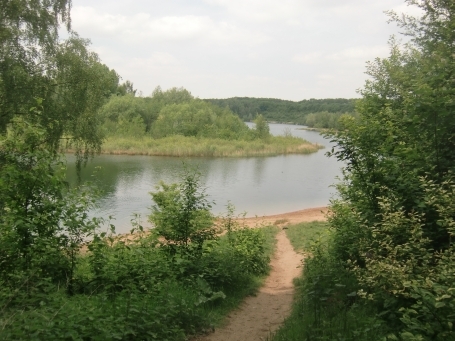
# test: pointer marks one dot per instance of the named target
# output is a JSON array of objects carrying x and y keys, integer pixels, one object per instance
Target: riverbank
[
  {"x": 288, "y": 218},
  {"x": 183, "y": 146},
  {"x": 295, "y": 217}
]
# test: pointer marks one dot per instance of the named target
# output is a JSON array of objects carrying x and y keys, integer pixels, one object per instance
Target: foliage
[
  {"x": 261, "y": 127},
  {"x": 69, "y": 78},
  {"x": 198, "y": 118},
  {"x": 172, "y": 96},
  {"x": 127, "y": 116},
  {"x": 326, "y": 120},
  {"x": 326, "y": 306},
  {"x": 43, "y": 224},
  {"x": 181, "y": 215},
  {"x": 277, "y": 110},
  {"x": 117, "y": 288},
  {"x": 126, "y": 88},
  {"x": 394, "y": 220}
]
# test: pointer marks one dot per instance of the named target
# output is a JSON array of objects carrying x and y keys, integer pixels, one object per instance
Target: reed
[{"x": 182, "y": 146}]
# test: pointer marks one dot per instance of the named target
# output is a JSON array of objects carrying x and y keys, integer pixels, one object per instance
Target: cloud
[
  {"x": 263, "y": 10},
  {"x": 142, "y": 27},
  {"x": 357, "y": 54},
  {"x": 307, "y": 58}
]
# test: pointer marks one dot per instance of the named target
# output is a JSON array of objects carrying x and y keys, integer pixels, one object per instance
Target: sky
[{"x": 287, "y": 49}]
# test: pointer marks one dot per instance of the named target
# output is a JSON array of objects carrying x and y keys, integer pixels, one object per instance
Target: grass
[
  {"x": 304, "y": 235},
  {"x": 235, "y": 298},
  {"x": 182, "y": 146},
  {"x": 326, "y": 306}
]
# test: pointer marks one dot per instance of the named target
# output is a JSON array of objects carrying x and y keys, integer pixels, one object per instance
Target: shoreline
[
  {"x": 282, "y": 219},
  {"x": 294, "y": 217}
]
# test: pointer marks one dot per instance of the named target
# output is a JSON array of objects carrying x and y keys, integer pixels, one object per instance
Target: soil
[
  {"x": 258, "y": 316},
  {"x": 306, "y": 215}
]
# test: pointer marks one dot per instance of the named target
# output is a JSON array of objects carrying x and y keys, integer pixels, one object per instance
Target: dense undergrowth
[
  {"x": 326, "y": 305},
  {"x": 63, "y": 279},
  {"x": 387, "y": 270},
  {"x": 136, "y": 291}
]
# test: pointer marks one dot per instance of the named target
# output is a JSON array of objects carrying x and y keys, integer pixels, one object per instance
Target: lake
[{"x": 255, "y": 185}]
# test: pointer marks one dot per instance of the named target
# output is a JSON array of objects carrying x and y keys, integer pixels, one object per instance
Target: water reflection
[{"x": 258, "y": 185}]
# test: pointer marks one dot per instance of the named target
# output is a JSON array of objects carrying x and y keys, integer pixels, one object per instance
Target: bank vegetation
[{"x": 173, "y": 123}]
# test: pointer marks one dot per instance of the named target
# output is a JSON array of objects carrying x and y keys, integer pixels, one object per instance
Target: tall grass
[
  {"x": 326, "y": 306},
  {"x": 209, "y": 147}
]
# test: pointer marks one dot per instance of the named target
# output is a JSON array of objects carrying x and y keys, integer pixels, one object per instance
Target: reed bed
[{"x": 182, "y": 146}]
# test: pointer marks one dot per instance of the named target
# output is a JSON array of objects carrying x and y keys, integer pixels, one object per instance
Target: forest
[{"x": 282, "y": 111}]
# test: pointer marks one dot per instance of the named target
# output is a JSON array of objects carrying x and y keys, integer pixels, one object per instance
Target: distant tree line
[
  {"x": 326, "y": 120},
  {"x": 278, "y": 110}
]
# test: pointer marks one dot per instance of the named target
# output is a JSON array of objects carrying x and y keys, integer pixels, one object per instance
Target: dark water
[{"x": 256, "y": 185}]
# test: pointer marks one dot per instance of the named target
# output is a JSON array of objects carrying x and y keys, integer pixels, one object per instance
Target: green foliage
[
  {"x": 118, "y": 287},
  {"x": 42, "y": 223},
  {"x": 198, "y": 118},
  {"x": 394, "y": 219},
  {"x": 277, "y": 110},
  {"x": 126, "y": 88},
  {"x": 70, "y": 79},
  {"x": 182, "y": 215},
  {"x": 326, "y": 305},
  {"x": 326, "y": 120},
  {"x": 127, "y": 116},
  {"x": 172, "y": 96},
  {"x": 261, "y": 127}
]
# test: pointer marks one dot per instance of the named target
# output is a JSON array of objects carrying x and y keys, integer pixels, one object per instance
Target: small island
[{"x": 174, "y": 123}]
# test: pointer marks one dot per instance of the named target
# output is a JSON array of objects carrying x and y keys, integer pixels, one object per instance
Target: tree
[
  {"x": 126, "y": 89},
  {"x": 262, "y": 127},
  {"x": 66, "y": 75},
  {"x": 394, "y": 224},
  {"x": 182, "y": 215},
  {"x": 43, "y": 223},
  {"x": 172, "y": 96},
  {"x": 121, "y": 111}
]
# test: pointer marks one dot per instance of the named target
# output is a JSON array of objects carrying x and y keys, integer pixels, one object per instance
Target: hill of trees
[{"x": 278, "y": 110}]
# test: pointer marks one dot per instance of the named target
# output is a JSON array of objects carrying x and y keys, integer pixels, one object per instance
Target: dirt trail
[{"x": 261, "y": 314}]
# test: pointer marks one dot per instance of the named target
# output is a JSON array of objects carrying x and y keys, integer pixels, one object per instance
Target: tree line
[
  {"x": 173, "y": 112},
  {"x": 283, "y": 111}
]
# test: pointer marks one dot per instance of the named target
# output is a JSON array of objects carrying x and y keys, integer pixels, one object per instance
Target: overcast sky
[{"x": 288, "y": 49}]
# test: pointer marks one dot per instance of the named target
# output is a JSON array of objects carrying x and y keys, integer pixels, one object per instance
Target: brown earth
[
  {"x": 306, "y": 215},
  {"x": 260, "y": 315}
]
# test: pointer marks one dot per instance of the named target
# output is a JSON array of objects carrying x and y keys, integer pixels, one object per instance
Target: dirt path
[{"x": 261, "y": 314}]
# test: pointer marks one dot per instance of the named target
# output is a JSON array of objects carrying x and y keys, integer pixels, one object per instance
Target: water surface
[{"x": 255, "y": 185}]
